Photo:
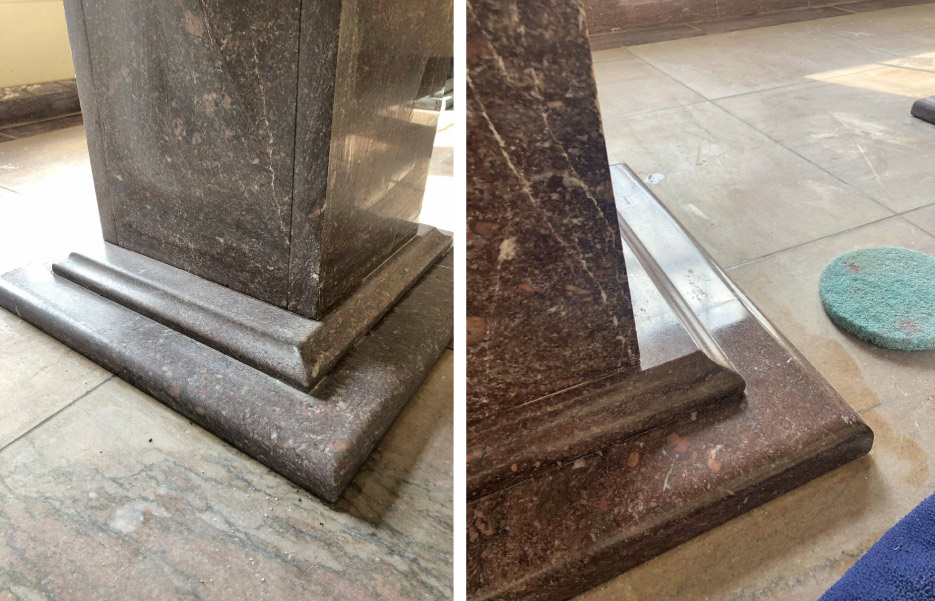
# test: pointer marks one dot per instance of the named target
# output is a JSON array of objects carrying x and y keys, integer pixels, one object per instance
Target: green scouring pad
[{"x": 883, "y": 295}]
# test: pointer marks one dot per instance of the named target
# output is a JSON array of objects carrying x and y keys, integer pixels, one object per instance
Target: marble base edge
[
  {"x": 598, "y": 558},
  {"x": 560, "y": 533},
  {"x": 285, "y": 345},
  {"x": 544, "y": 435},
  {"x": 34, "y": 102},
  {"x": 318, "y": 440}
]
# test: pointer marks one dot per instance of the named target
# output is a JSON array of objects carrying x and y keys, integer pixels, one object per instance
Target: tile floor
[
  {"x": 780, "y": 148},
  {"x": 107, "y": 494}
]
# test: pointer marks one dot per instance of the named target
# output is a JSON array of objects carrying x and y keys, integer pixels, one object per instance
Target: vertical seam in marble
[
  {"x": 96, "y": 122},
  {"x": 295, "y": 148}
]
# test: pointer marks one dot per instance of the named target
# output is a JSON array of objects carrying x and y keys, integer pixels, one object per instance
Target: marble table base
[
  {"x": 564, "y": 531},
  {"x": 924, "y": 108},
  {"x": 317, "y": 438}
]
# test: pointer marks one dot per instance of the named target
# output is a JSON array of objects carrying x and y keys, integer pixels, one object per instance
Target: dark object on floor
[
  {"x": 901, "y": 565},
  {"x": 883, "y": 295},
  {"x": 924, "y": 108}
]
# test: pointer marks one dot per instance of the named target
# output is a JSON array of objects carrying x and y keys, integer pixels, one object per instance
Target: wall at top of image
[{"x": 33, "y": 43}]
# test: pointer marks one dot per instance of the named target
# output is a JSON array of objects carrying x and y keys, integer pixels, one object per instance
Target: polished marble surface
[
  {"x": 795, "y": 547},
  {"x": 547, "y": 307},
  {"x": 678, "y": 480}
]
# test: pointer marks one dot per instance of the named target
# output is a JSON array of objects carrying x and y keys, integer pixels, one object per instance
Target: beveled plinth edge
[
  {"x": 259, "y": 334},
  {"x": 924, "y": 108},
  {"x": 285, "y": 345},
  {"x": 354, "y": 316},
  {"x": 605, "y": 489},
  {"x": 317, "y": 440},
  {"x": 544, "y": 435},
  {"x": 560, "y": 533}
]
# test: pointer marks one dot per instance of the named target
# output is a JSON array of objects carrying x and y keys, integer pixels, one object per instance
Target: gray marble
[
  {"x": 318, "y": 440},
  {"x": 272, "y": 148},
  {"x": 284, "y": 345}
]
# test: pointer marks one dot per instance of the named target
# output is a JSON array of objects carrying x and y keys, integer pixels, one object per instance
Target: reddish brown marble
[
  {"x": 564, "y": 531},
  {"x": 546, "y": 434},
  {"x": 547, "y": 306},
  {"x": 562, "y": 495}
]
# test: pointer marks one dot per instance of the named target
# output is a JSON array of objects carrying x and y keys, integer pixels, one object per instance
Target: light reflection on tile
[
  {"x": 739, "y": 208},
  {"x": 857, "y": 127}
]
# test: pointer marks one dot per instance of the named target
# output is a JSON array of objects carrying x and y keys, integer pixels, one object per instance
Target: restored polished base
[
  {"x": 563, "y": 531},
  {"x": 319, "y": 438}
]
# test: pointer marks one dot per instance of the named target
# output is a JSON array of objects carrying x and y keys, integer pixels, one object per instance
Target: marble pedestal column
[
  {"x": 623, "y": 396},
  {"x": 259, "y": 170}
]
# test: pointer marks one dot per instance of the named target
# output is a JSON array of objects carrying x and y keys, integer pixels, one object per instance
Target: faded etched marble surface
[
  {"x": 119, "y": 497},
  {"x": 547, "y": 303},
  {"x": 273, "y": 148}
]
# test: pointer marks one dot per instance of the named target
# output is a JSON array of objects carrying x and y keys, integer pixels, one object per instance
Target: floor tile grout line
[
  {"x": 804, "y": 81},
  {"x": 821, "y": 239},
  {"x": 59, "y": 411},
  {"x": 667, "y": 74},
  {"x": 845, "y": 231},
  {"x": 606, "y": 118},
  {"x": 916, "y": 225}
]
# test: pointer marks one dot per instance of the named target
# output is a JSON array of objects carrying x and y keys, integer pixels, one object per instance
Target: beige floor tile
[
  {"x": 119, "y": 497},
  {"x": 619, "y": 74},
  {"x": 785, "y": 287},
  {"x": 858, "y": 128},
  {"x": 741, "y": 194},
  {"x": 904, "y": 32},
  {"x": 38, "y": 376},
  {"x": 923, "y": 217},
  {"x": 727, "y": 64}
]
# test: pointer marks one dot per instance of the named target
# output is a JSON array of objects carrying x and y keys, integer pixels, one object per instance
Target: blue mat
[{"x": 899, "y": 567}]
